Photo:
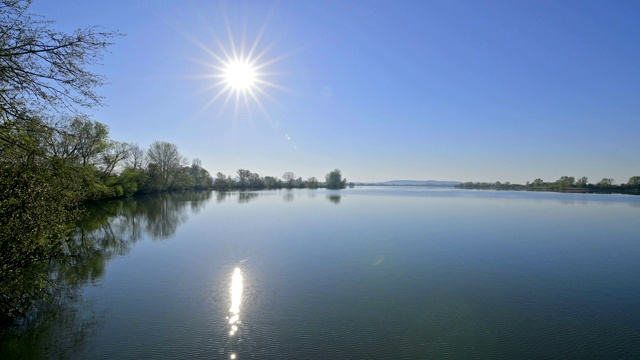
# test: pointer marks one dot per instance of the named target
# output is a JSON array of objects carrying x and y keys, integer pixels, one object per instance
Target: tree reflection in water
[
  {"x": 245, "y": 197},
  {"x": 334, "y": 199},
  {"x": 55, "y": 319}
]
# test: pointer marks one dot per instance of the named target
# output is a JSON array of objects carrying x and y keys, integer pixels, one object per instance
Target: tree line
[
  {"x": 564, "y": 183},
  {"x": 246, "y": 179},
  {"x": 106, "y": 168}
]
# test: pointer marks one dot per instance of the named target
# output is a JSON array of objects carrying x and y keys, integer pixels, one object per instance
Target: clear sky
[{"x": 383, "y": 90}]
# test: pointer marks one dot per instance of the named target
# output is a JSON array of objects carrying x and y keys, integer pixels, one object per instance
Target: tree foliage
[
  {"x": 605, "y": 182},
  {"x": 36, "y": 201},
  {"x": 42, "y": 72},
  {"x": 288, "y": 177},
  {"x": 166, "y": 161},
  {"x": 582, "y": 182},
  {"x": 201, "y": 177},
  {"x": 634, "y": 181},
  {"x": 45, "y": 69},
  {"x": 335, "y": 181},
  {"x": 565, "y": 181}
]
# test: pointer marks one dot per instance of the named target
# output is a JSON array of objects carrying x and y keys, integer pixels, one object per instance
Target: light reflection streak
[
  {"x": 234, "y": 316},
  {"x": 236, "y": 300}
]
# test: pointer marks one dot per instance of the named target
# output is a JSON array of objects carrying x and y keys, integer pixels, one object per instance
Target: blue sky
[{"x": 383, "y": 90}]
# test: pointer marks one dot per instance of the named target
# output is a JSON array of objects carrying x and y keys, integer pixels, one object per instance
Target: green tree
[
  {"x": 182, "y": 179},
  {"x": 36, "y": 198},
  {"x": 136, "y": 159},
  {"x": 334, "y": 180},
  {"x": 605, "y": 183},
  {"x": 221, "y": 182},
  {"x": 42, "y": 71},
  {"x": 243, "y": 177},
  {"x": 91, "y": 139},
  {"x": 582, "y": 182},
  {"x": 77, "y": 138},
  {"x": 115, "y": 153},
  {"x": 312, "y": 183},
  {"x": 537, "y": 183},
  {"x": 201, "y": 176},
  {"x": 255, "y": 181},
  {"x": 131, "y": 180},
  {"x": 154, "y": 179},
  {"x": 289, "y": 177},
  {"x": 565, "y": 181},
  {"x": 270, "y": 182},
  {"x": 165, "y": 162},
  {"x": 634, "y": 181}
]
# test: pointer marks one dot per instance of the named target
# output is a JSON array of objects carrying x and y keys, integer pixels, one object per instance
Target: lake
[{"x": 363, "y": 273}]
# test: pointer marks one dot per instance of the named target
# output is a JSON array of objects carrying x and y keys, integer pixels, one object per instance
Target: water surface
[{"x": 364, "y": 273}]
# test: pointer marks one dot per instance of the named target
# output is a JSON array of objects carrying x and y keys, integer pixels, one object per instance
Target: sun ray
[
  {"x": 234, "y": 53},
  {"x": 262, "y": 109},
  {"x": 262, "y": 30},
  {"x": 265, "y": 94},
  {"x": 253, "y": 52},
  {"x": 272, "y": 85}
]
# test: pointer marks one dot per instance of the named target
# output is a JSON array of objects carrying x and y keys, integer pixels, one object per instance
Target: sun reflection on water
[
  {"x": 234, "y": 316},
  {"x": 236, "y": 298}
]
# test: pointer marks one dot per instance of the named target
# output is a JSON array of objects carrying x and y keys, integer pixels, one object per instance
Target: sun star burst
[{"x": 240, "y": 74}]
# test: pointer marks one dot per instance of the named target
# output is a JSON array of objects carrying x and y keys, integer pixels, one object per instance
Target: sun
[{"x": 240, "y": 75}]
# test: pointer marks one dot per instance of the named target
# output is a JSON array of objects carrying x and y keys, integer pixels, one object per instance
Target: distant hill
[{"x": 417, "y": 183}]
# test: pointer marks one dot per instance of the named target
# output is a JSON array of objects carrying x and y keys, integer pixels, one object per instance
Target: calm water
[{"x": 365, "y": 273}]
